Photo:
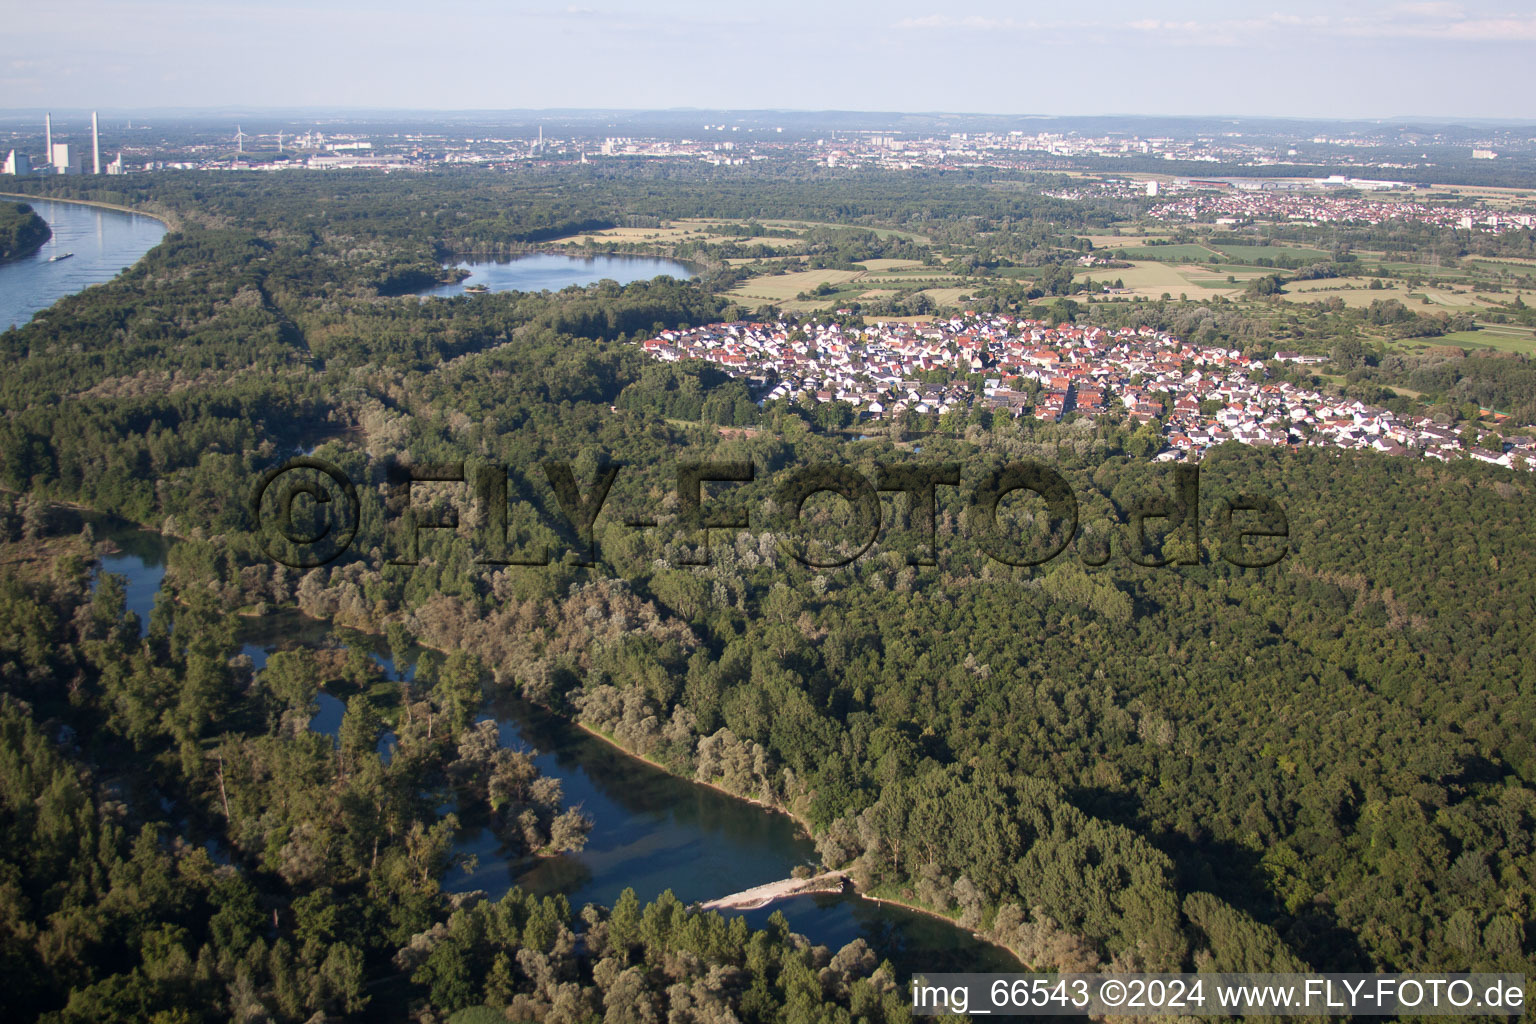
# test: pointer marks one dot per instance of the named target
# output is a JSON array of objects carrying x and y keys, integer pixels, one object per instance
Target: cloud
[
  {"x": 1509, "y": 28},
  {"x": 1430, "y": 20}
]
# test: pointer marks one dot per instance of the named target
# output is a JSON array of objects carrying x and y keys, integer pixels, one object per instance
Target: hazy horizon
[
  {"x": 321, "y": 109},
  {"x": 1388, "y": 61}
]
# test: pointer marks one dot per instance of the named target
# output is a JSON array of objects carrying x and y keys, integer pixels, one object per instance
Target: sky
[{"x": 1303, "y": 58}]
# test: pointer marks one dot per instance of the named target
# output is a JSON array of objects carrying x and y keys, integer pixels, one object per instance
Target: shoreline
[
  {"x": 17, "y": 257},
  {"x": 694, "y": 267},
  {"x": 800, "y": 823},
  {"x": 169, "y": 220},
  {"x": 806, "y": 830}
]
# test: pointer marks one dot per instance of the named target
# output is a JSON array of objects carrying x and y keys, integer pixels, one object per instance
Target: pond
[{"x": 545, "y": 271}]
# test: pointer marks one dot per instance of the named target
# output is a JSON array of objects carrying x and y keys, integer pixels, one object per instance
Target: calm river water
[{"x": 104, "y": 243}]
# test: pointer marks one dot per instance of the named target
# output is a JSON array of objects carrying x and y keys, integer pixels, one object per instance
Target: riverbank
[
  {"x": 695, "y": 267},
  {"x": 800, "y": 823},
  {"x": 761, "y": 896},
  {"x": 170, "y": 220},
  {"x": 805, "y": 828},
  {"x": 22, "y": 231}
]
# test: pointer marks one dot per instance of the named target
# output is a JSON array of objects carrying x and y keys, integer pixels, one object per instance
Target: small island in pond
[{"x": 22, "y": 231}]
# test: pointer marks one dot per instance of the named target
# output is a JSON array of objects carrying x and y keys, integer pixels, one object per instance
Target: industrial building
[{"x": 60, "y": 157}]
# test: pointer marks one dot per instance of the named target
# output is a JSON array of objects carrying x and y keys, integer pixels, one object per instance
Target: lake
[
  {"x": 651, "y": 831},
  {"x": 545, "y": 271},
  {"x": 104, "y": 242}
]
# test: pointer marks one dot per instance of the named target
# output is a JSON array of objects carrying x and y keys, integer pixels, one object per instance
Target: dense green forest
[
  {"x": 1326, "y": 762},
  {"x": 22, "y": 231},
  {"x": 178, "y": 845}
]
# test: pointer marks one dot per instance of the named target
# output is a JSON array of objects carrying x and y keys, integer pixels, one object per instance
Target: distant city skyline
[{"x": 1197, "y": 57}]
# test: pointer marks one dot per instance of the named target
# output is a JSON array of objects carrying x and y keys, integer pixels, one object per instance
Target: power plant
[{"x": 61, "y": 157}]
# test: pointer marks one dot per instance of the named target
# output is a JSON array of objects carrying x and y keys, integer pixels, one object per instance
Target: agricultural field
[
  {"x": 1399, "y": 268},
  {"x": 882, "y": 232},
  {"x": 662, "y": 234},
  {"x": 1492, "y": 195},
  {"x": 884, "y": 265},
  {"x": 1187, "y": 251},
  {"x": 741, "y": 261},
  {"x": 1356, "y": 294},
  {"x": 1150, "y": 279},
  {"x": 1130, "y": 240},
  {"x": 913, "y": 279},
  {"x": 779, "y": 289},
  {"x": 947, "y": 296},
  {"x": 1500, "y": 337},
  {"x": 674, "y": 232},
  {"x": 1506, "y": 271},
  {"x": 1217, "y": 277},
  {"x": 1272, "y": 252},
  {"x": 882, "y": 279}
]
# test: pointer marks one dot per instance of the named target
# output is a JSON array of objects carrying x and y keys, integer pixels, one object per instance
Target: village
[
  {"x": 1200, "y": 396},
  {"x": 1238, "y": 201}
]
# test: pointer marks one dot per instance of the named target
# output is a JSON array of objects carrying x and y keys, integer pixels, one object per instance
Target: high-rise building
[{"x": 18, "y": 164}]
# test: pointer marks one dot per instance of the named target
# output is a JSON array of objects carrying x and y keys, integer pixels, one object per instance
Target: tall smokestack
[
  {"x": 48, "y": 130},
  {"x": 95, "y": 145}
]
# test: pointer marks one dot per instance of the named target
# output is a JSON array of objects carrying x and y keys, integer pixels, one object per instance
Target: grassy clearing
[
  {"x": 32, "y": 560},
  {"x": 672, "y": 233},
  {"x": 1124, "y": 241},
  {"x": 784, "y": 287},
  {"x": 1505, "y": 272},
  {"x": 876, "y": 266},
  {"x": 1491, "y": 194},
  {"x": 1150, "y": 279},
  {"x": 903, "y": 280},
  {"x": 947, "y": 296},
  {"x": 1357, "y": 295},
  {"x": 1499, "y": 337},
  {"x": 1165, "y": 253},
  {"x": 882, "y": 232},
  {"x": 741, "y": 261},
  {"x": 1221, "y": 283},
  {"x": 1272, "y": 252}
]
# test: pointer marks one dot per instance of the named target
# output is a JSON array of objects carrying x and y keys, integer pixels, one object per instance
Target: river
[
  {"x": 104, "y": 242},
  {"x": 651, "y": 831}
]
